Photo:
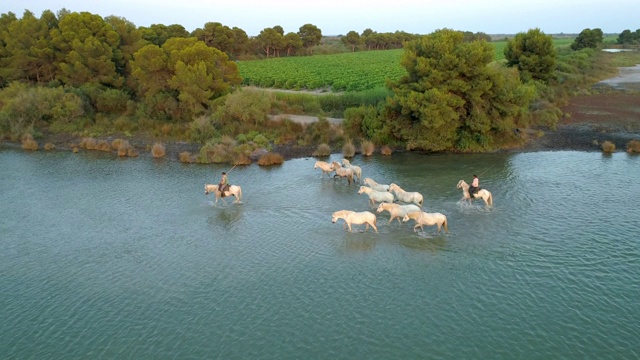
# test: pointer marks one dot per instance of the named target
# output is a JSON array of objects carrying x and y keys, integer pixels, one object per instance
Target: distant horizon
[{"x": 334, "y": 18}]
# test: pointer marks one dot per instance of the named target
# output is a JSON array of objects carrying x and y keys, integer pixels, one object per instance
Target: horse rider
[
  {"x": 223, "y": 182},
  {"x": 475, "y": 184}
]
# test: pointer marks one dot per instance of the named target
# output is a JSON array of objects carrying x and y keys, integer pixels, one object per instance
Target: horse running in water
[
  {"x": 231, "y": 190},
  {"x": 397, "y": 211},
  {"x": 342, "y": 172},
  {"x": 406, "y": 196},
  {"x": 357, "y": 170},
  {"x": 325, "y": 167},
  {"x": 422, "y": 218},
  {"x": 480, "y": 194},
  {"x": 358, "y": 218}
]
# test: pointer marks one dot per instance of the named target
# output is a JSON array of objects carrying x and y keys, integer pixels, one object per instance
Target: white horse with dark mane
[
  {"x": 357, "y": 170},
  {"x": 325, "y": 167},
  {"x": 232, "y": 190},
  {"x": 376, "y": 196},
  {"x": 406, "y": 196},
  {"x": 374, "y": 185},
  {"x": 480, "y": 194},
  {"x": 423, "y": 218},
  {"x": 358, "y": 218},
  {"x": 397, "y": 211}
]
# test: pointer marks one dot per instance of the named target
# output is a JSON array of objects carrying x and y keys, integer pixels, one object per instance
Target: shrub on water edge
[
  {"x": 158, "y": 150},
  {"x": 132, "y": 152},
  {"x": 115, "y": 144},
  {"x": 123, "y": 148},
  {"x": 348, "y": 149},
  {"x": 323, "y": 150},
  {"x": 49, "y": 146},
  {"x": 103, "y": 145},
  {"x": 367, "y": 147},
  {"x": 633, "y": 146},
  {"x": 185, "y": 157},
  {"x": 386, "y": 150},
  {"x": 270, "y": 158},
  {"x": 75, "y": 150},
  {"x": 608, "y": 146},
  {"x": 28, "y": 143},
  {"x": 88, "y": 143}
]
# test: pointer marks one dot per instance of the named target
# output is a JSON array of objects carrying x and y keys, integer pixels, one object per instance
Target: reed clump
[
  {"x": 28, "y": 143},
  {"x": 125, "y": 149},
  {"x": 608, "y": 146},
  {"x": 348, "y": 149},
  {"x": 115, "y": 144},
  {"x": 386, "y": 150},
  {"x": 103, "y": 145},
  {"x": 322, "y": 150},
  {"x": 186, "y": 157},
  {"x": 270, "y": 158},
  {"x": 158, "y": 150},
  {"x": 88, "y": 143},
  {"x": 49, "y": 146},
  {"x": 367, "y": 147},
  {"x": 633, "y": 146}
]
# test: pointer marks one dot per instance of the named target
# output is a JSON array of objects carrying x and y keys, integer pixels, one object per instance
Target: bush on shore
[
  {"x": 28, "y": 143},
  {"x": 322, "y": 150},
  {"x": 633, "y": 146},
  {"x": 608, "y": 146},
  {"x": 367, "y": 147},
  {"x": 348, "y": 149},
  {"x": 270, "y": 158},
  {"x": 386, "y": 150},
  {"x": 158, "y": 150}
]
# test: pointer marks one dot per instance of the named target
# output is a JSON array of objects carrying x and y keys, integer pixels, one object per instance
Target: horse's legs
[
  {"x": 349, "y": 225},
  {"x": 373, "y": 225}
]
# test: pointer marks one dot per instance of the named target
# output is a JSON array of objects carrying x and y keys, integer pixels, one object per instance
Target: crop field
[{"x": 356, "y": 71}]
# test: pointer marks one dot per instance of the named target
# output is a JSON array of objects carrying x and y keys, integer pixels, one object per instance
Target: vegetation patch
[
  {"x": 608, "y": 147},
  {"x": 158, "y": 150},
  {"x": 270, "y": 159},
  {"x": 633, "y": 146},
  {"x": 322, "y": 150}
]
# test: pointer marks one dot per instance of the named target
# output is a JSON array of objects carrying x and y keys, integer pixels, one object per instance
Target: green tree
[
  {"x": 292, "y": 43},
  {"x": 533, "y": 54},
  {"x": 588, "y": 39},
  {"x": 352, "y": 39},
  {"x": 159, "y": 33},
  {"x": 88, "y": 50},
  {"x": 310, "y": 36},
  {"x": 240, "y": 43},
  {"x": 627, "y": 37},
  {"x": 185, "y": 74},
  {"x": 451, "y": 98},
  {"x": 216, "y": 35},
  {"x": 130, "y": 42},
  {"x": 270, "y": 41}
]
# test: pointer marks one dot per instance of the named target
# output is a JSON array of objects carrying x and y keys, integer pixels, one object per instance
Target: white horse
[
  {"x": 376, "y": 196},
  {"x": 422, "y": 218},
  {"x": 374, "y": 185},
  {"x": 234, "y": 190},
  {"x": 325, "y": 167},
  {"x": 406, "y": 196},
  {"x": 357, "y": 170},
  {"x": 397, "y": 211},
  {"x": 480, "y": 194},
  {"x": 358, "y": 218},
  {"x": 342, "y": 172}
]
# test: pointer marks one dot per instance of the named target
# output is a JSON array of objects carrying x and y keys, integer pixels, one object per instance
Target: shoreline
[{"x": 567, "y": 137}]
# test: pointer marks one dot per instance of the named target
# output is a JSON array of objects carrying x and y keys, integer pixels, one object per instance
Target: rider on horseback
[
  {"x": 224, "y": 183},
  {"x": 475, "y": 185}
]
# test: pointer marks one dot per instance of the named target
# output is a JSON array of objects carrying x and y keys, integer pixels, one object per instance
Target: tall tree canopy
[
  {"x": 533, "y": 54},
  {"x": 451, "y": 97},
  {"x": 310, "y": 35},
  {"x": 184, "y": 72}
]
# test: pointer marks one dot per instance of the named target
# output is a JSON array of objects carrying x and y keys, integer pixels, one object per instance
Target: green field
[{"x": 339, "y": 72}]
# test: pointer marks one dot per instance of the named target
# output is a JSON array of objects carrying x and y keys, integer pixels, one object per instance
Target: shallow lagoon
[{"x": 109, "y": 257}]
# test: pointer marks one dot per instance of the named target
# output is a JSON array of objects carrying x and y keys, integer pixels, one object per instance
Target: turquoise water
[{"x": 102, "y": 257}]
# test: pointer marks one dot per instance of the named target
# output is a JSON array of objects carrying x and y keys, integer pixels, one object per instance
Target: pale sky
[{"x": 336, "y": 17}]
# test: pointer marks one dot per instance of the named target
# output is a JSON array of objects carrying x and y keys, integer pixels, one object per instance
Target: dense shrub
[
  {"x": 158, "y": 150},
  {"x": 367, "y": 147},
  {"x": 49, "y": 146},
  {"x": 88, "y": 143},
  {"x": 322, "y": 150},
  {"x": 270, "y": 158},
  {"x": 386, "y": 150},
  {"x": 608, "y": 147},
  {"x": 348, "y": 149},
  {"x": 633, "y": 146},
  {"x": 28, "y": 143},
  {"x": 186, "y": 157}
]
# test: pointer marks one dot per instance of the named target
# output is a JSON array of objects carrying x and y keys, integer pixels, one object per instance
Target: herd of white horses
[{"x": 401, "y": 205}]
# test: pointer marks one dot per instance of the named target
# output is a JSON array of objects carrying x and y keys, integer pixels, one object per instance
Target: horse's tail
[
  {"x": 444, "y": 224},
  {"x": 239, "y": 193},
  {"x": 490, "y": 200}
]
